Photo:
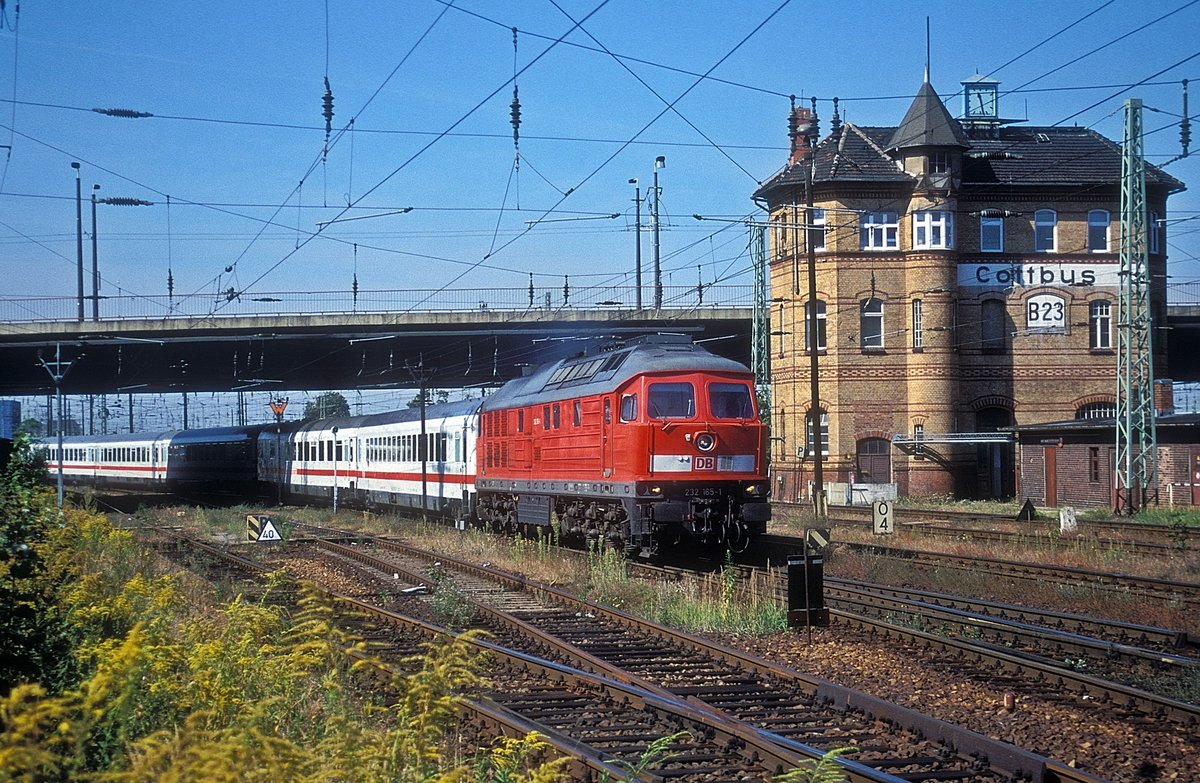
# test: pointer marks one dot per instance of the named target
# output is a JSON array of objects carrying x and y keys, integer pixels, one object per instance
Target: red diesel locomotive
[{"x": 647, "y": 445}]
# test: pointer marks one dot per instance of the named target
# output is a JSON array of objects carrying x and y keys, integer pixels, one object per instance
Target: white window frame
[
  {"x": 1100, "y": 325},
  {"x": 933, "y": 230},
  {"x": 1045, "y": 220},
  {"x": 918, "y": 331},
  {"x": 996, "y": 224},
  {"x": 880, "y": 231},
  {"x": 874, "y": 315},
  {"x": 822, "y": 325},
  {"x": 1098, "y": 219},
  {"x": 817, "y": 233}
]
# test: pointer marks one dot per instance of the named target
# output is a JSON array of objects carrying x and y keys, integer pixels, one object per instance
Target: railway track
[
  {"x": 798, "y": 708},
  {"x": 1130, "y": 536},
  {"x": 600, "y": 723},
  {"x": 1169, "y": 591}
]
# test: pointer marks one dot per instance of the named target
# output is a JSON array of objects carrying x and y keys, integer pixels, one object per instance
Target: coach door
[{"x": 606, "y": 441}]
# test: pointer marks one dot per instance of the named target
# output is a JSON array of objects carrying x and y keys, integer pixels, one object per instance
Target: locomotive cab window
[
  {"x": 629, "y": 407},
  {"x": 730, "y": 401},
  {"x": 672, "y": 401}
]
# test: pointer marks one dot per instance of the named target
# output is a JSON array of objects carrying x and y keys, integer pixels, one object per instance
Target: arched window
[
  {"x": 1100, "y": 325},
  {"x": 1098, "y": 231},
  {"x": 808, "y": 308},
  {"x": 1045, "y": 231},
  {"x": 993, "y": 326},
  {"x": 871, "y": 323},
  {"x": 1096, "y": 410}
]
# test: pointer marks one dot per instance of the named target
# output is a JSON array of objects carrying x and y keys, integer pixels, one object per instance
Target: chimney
[{"x": 799, "y": 123}]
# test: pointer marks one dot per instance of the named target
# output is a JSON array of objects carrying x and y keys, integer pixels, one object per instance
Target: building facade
[{"x": 966, "y": 282}]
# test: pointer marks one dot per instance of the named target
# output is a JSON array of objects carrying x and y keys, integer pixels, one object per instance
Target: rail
[{"x": 35, "y": 309}]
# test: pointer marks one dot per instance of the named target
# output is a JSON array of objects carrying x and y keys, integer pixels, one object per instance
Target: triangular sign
[{"x": 268, "y": 532}]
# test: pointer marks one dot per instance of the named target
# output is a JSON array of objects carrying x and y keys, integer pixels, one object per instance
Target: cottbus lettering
[{"x": 1034, "y": 275}]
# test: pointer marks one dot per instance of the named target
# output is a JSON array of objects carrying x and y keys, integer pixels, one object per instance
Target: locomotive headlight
[
  {"x": 754, "y": 490},
  {"x": 706, "y": 441}
]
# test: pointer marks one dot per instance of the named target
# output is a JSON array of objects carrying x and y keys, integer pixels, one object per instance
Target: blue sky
[{"x": 236, "y": 89}]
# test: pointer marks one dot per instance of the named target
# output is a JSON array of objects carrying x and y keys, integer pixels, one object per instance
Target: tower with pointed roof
[{"x": 966, "y": 275}]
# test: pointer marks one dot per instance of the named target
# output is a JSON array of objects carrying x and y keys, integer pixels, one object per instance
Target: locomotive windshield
[
  {"x": 672, "y": 401},
  {"x": 730, "y": 401}
]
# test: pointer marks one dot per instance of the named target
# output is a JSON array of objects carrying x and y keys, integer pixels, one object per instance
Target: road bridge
[{"x": 335, "y": 351}]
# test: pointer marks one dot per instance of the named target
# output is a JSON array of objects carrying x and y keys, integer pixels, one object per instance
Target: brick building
[
  {"x": 1073, "y": 463},
  {"x": 966, "y": 279}
]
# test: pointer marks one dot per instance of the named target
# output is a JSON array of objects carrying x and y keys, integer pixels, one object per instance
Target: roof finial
[{"x": 927, "y": 50}]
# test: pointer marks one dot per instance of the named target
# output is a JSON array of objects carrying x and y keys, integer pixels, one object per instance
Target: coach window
[
  {"x": 672, "y": 401},
  {"x": 557, "y": 416},
  {"x": 577, "y": 413},
  {"x": 629, "y": 407}
]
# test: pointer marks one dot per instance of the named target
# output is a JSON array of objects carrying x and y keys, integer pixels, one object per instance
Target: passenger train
[{"x": 647, "y": 445}]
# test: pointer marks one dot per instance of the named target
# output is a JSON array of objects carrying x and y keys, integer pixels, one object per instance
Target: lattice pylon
[{"x": 1137, "y": 439}]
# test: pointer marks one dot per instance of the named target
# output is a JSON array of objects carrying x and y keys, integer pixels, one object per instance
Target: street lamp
[
  {"x": 79, "y": 231},
  {"x": 637, "y": 228},
  {"x": 659, "y": 162}
]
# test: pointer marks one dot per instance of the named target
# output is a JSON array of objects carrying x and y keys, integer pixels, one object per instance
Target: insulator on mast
[
  {"x": 1185, "y": 124},
  {"x": 793, "y": 127},
  {"x": 327, "y": 103},
  {"x": 515, "y": 109}
]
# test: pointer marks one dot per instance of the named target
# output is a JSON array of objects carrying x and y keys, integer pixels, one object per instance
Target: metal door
[{"x": 1051, "y": 467}]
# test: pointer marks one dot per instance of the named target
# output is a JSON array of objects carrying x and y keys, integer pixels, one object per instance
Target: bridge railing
[
  {"x": 1183, "y": 293},
  {"x": 22, "y": 309}
]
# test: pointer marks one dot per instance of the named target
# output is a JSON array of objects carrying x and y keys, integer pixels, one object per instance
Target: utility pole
[
  {"x": 659, "y": 162},
  {"x": 335, "y": 467},
  {"x": 809, "y": 130},
  {"x": 421, "y": 376},
  {"x": 1137, "y": 438},
  {"x": 58, "y": 370},
  {"x": 637, "y": 232},
  {"x": 278, "y": 406}
]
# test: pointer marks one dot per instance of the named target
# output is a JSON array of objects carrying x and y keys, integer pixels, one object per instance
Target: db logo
[{"x": 704, "y": 463}]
